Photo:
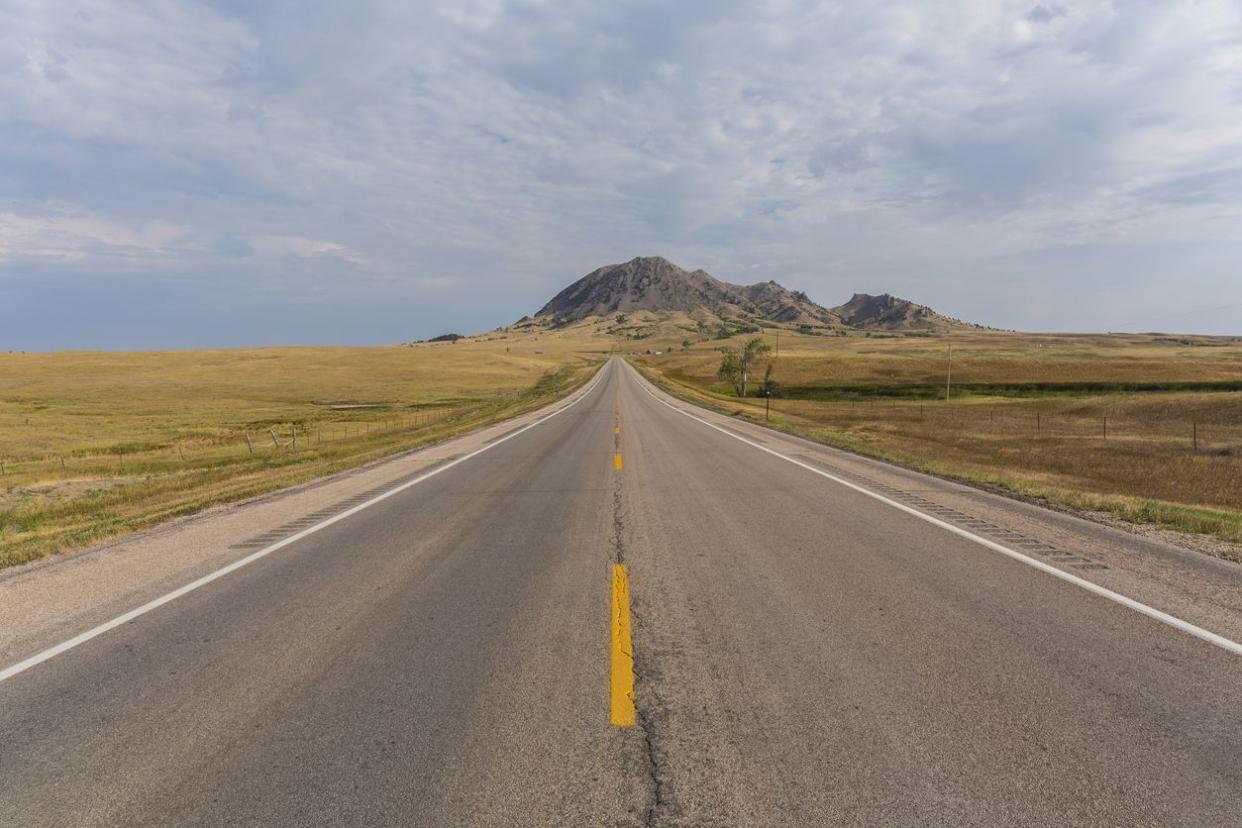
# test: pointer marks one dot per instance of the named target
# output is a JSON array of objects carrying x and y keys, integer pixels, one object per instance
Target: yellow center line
[
  {"x": 616, "y": 461},
  {"x": 622, "y": 707}
]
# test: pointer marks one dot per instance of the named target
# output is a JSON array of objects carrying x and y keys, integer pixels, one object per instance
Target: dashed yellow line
[
  {"x": 621, "y": 706},
  {"x": 622, "y": 696}
]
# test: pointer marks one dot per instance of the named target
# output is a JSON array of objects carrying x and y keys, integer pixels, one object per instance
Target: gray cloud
[
  {"x": 1045, "y": 14},
  {"x": 475, "y": 157}
]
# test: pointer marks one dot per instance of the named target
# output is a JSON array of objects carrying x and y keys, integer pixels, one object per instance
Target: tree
[
  {"x": 752, "y": 350},
  {"x": 735, "y": 364},
  {"x": 730, "y": 369}
]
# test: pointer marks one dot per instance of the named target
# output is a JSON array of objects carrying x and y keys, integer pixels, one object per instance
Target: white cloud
[
  {"x": 302, "y": 248},
  {"x": 76, "y": 238}
]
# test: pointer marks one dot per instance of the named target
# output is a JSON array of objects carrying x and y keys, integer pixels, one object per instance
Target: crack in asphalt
[
  {"x": 618, "y": 523},
  {"x": 647, "y": 708},
  {"x": 659, "y": 793}
]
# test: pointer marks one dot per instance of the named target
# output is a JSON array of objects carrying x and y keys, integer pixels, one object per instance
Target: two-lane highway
[{"x": 792, "y": 651}]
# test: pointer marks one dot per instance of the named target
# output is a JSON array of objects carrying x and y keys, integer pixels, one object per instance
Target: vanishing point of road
[{"x": 620, "y": 614}]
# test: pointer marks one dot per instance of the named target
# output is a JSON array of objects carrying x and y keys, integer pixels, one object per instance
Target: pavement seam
[{"x": 658, "y": 798}]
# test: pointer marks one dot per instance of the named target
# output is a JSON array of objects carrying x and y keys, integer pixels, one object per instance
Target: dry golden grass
[
  {"x": 1031, "y": 418},
  {"x": 94, "y": 444},
  {"x": 980, "y": 358}
]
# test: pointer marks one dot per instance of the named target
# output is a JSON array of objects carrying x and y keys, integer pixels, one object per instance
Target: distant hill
[
  {"x": 656, "y": 284},
  {"x": 892, "y": 313},
  {"x": 652, "y": 283}
]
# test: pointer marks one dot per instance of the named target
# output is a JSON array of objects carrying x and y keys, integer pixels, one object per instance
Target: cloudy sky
[{"x": 177, "y": 174}]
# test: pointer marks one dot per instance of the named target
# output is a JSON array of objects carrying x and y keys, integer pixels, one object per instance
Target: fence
[{"x": 1204, "y": 431}]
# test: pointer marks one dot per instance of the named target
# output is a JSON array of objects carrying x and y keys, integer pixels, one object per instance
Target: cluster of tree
[{"x": 727, "y": 328}]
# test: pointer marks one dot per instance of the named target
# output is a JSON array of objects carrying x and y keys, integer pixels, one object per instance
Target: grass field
[
  {"x": 96, "y": 444},
  {"x": 1146, "y": 427}
]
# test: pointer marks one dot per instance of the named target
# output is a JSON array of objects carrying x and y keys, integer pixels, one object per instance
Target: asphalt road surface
[{"x": 799, "y": 653}]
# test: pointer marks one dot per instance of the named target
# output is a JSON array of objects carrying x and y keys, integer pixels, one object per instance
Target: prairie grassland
[
  {"x": 1100, "y": 423},
  {"x": 96, "y": 444},
  {"x": 898, "y": 363}
]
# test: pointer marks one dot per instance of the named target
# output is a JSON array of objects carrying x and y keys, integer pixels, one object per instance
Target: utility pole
[{"x": 948, "y": 379}]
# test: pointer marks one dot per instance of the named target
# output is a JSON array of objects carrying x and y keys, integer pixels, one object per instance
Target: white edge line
[
  {"x": 94, "y": 632},
  {"x": 1151, "y": 612}
]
